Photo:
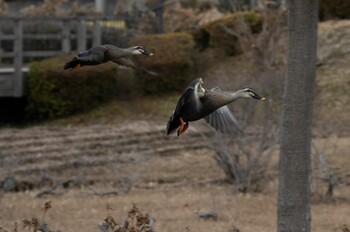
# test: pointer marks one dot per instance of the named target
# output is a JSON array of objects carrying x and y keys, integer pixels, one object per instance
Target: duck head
[
  {"x": 196, "y": 84},
  {"x": 138, "y": 50},
  {"x": 249, "y": 93},
  {"x": 199, "y": 91}
]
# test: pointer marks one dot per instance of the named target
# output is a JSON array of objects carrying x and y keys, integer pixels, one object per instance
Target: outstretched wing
[
  {"x": 129, "y": 63},
  {"x": 223, "y": 120},
  {"x": 93, "y": 56}
]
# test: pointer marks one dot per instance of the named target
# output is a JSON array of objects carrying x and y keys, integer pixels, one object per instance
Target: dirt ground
[
  {"x": 174, "y": 208},
  {"x": 81, "y": 169}
]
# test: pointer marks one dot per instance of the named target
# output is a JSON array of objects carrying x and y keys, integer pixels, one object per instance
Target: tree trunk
[{"x": 295, "y": 167}]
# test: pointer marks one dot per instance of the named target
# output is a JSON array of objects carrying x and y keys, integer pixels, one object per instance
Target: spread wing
[
  {"x": 223, "y": 120},
  {"x": 129, "y": 63},
  {"x": 94, "y": 56}
]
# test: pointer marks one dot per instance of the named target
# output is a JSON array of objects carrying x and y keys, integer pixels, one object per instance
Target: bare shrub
[
  {"x": 345, "y": 228},
  {"x": 34, "y": 224},
  {"x": 176, "y": 17},
  {"x": 246, "y": 159},
  {"x": 3, "y": 7},
  {"x": 55, "y": 7},
  {"x": 48, "y": 7},
  {"x": 268, "y": 47},
  {"x": 323, "y": 172},
  {"x": 136, "y": 222}
]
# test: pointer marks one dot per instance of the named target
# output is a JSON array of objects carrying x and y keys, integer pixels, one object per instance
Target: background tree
[
  {"x": 3, "y": 7},
  {"x": 295, "y": 166}
]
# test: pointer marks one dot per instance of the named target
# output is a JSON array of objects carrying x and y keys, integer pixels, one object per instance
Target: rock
[{"x": 9, "y": 184}]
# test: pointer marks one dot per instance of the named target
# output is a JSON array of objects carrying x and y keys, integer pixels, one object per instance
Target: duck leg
[
  {"x": 183, "y": 127},
  {"x": 75, "y": 67}
]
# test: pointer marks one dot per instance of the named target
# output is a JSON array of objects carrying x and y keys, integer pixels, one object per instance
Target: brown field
[{"x": 169, "y": 177}]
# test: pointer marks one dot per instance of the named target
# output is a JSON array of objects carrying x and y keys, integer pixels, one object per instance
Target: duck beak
[
  {"x": 200, "y": 80},
  {"x": 147, "y": 53},
  {"x": 200, "y": 87},
  {"x": 256, "y": 96}
]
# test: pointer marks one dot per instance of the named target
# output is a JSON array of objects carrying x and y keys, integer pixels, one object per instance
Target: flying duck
[
  {"x": 211, "y": 104},
  {"x": 104, "y": 53}
]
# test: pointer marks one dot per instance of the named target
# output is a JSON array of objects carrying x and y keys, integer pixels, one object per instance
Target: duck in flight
[
  {"x": 211, "y": 104},
  {"x": 104, "y": 53}
]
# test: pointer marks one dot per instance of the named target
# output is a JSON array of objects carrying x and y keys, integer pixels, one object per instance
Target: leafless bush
[
  {"x": 177, "y": 17},
  {"x": 246, "y": 159},
  {"x": 322, "y": 170},
  {"x": 136, "y": 222},
  {"x": 3, "y": 7},
  {"x": 268, "y": 47},
  {"x": 55, "y": 7},
  {"x": 48, "y": 7},
  {"x": 34, "y": 224}
]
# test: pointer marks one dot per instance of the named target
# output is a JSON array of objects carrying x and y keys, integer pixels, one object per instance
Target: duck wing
[
  {"x": 183, "y": 103},
  {"x": 129, "y": 63},
  {"x": 93, "y": 56},
  {"x": 223, "y": 120}
]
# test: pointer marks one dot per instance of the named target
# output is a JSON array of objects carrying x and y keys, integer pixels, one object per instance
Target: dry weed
[
  {"x": 135, "y": 222},
  {"x": 46, "y": 207},
  {"x": 33, "y": 224},
  {"x": 2, "y": 229}
]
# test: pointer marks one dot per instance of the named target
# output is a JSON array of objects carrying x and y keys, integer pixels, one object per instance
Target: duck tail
[
  {"x": 74, "y": 63},
  {"x": 173, "y": 124}
]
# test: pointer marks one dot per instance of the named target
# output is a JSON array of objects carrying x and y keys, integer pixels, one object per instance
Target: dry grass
[
  {"x": 172, "y": 188},
  {"x": 136, "y": 221},
  {"x": 173, "y": 208}
]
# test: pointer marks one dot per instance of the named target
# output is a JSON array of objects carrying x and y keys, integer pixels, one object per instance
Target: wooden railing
[{"x": 12, "y": 73}]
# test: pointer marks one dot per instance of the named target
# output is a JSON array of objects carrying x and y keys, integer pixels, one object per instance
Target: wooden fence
[{"x": 12, "y": 72}]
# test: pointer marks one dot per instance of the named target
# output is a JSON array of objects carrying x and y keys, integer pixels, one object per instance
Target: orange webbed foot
[
  {"x": 75, "y": 67},
  {"x": 183, "y": 127}
]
